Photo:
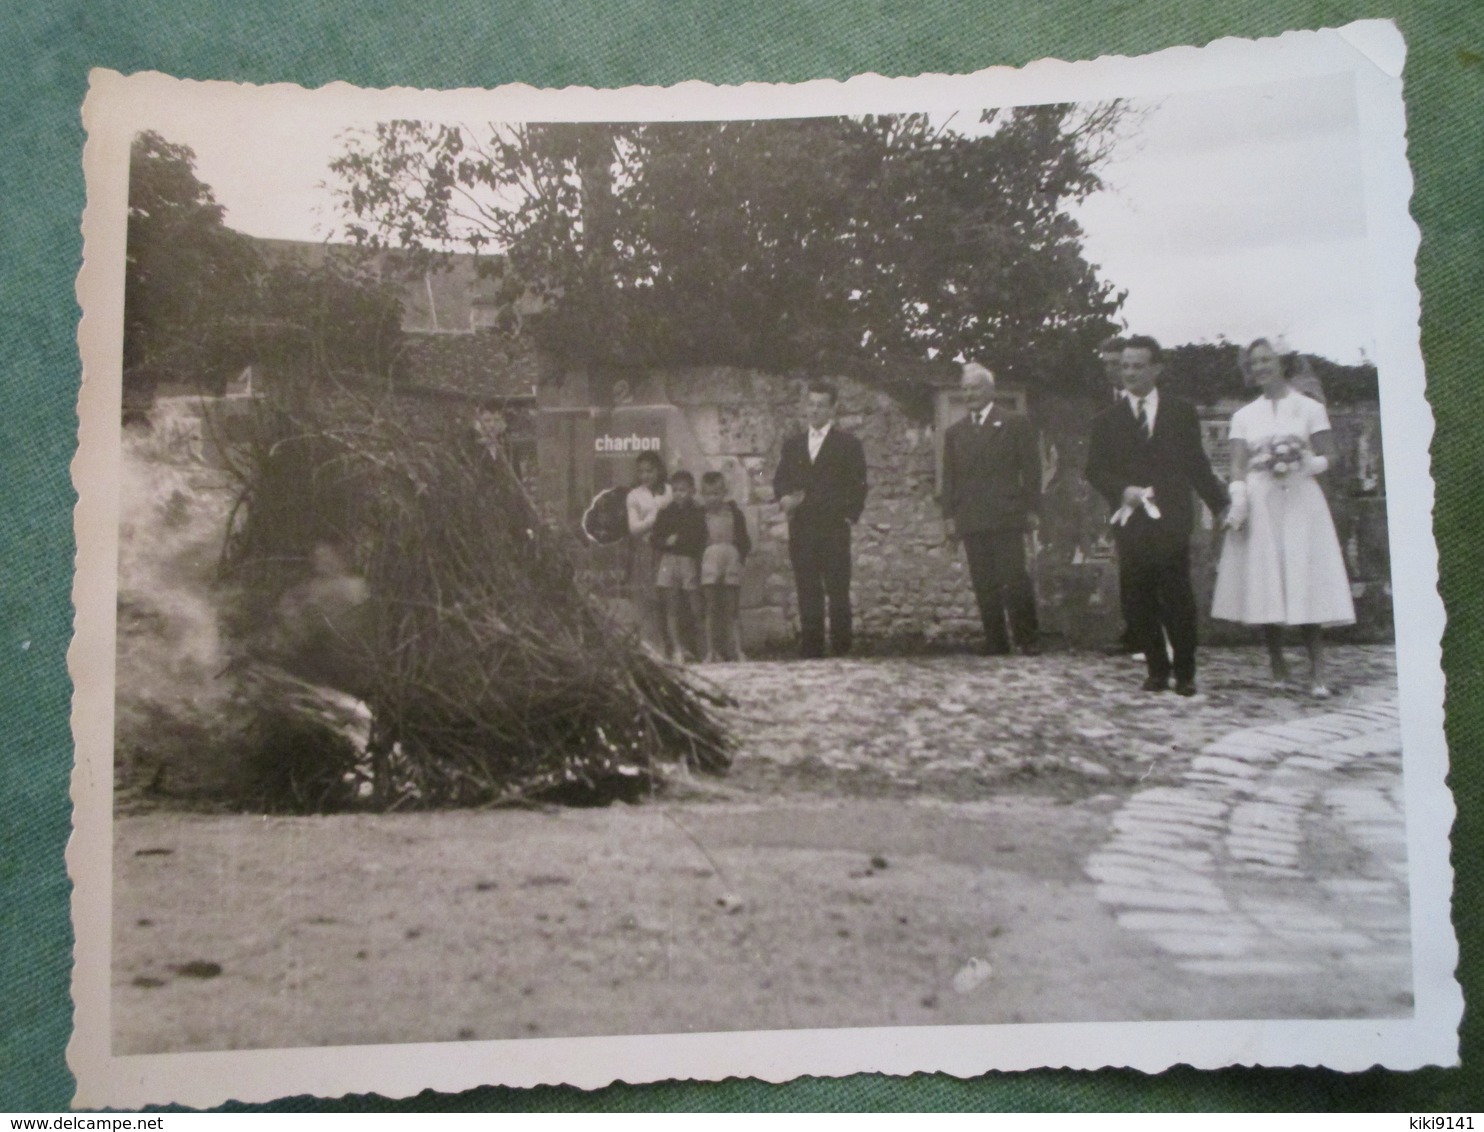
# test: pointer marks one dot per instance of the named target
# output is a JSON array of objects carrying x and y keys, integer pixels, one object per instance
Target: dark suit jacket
[
  {"x": 1172, "y": 461},
  {"x": 688, "y": 522},
  {"x": 991, "y": 474},
  {"x": 834, "y": 484}
]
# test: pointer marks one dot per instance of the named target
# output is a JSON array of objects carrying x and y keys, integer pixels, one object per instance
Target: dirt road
[{"x": 901, "y": 842}]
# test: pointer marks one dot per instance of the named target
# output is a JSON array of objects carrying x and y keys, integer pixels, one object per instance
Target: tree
[
  {"x": 975, "y": 245},
  {"x": 1207, "y": 372},
  {"x": 787, "y": 244},
  {"x": 202, "y": 301},
  {"x": 186, "y": 272},
  {"x": 331, "y": 316}
]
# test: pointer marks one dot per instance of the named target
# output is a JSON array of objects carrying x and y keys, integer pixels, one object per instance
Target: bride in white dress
[{"x": 1281, "y": 562}]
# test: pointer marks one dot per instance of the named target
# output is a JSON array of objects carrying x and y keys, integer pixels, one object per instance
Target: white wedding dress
[{"x": 1284, "y": 567}]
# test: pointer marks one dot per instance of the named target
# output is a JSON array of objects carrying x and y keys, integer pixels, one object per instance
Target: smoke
[{"x": 172, "y": 698}]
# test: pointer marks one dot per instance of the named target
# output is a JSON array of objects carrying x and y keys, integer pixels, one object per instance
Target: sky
[
  {"x": 1234, "y": 212},
  {"x": 1240, "y": 212}
]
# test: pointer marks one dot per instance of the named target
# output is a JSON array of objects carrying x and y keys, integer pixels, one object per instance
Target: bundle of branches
[{"x": 440, "y": 599}]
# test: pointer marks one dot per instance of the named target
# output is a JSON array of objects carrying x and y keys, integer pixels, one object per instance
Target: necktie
[{"x": 1143, "y": 419}]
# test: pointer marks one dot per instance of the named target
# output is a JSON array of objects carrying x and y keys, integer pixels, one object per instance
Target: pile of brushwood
[{"x": 390, "y": 559}]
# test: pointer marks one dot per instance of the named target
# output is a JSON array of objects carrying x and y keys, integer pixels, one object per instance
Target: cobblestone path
[
  {"x": 961, "y": 727},
  {"x": 1281, "y": 853},
  {"x": 1254, "y": 839}
]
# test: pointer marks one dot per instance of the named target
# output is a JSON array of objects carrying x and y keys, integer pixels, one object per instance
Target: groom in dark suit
[
  {"x": 991, "y": 495},
  {"x": 821, "y": 484},
  {"x": 1145, "y": 458},
  {"x": 1110, "y": 354}
]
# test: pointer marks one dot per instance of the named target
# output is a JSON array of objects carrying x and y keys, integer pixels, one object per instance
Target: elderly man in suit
[
  {"x": 990, "y": 498},
  {"x": 1146, "y": 460},
  {"x": 821, "y": 484}
]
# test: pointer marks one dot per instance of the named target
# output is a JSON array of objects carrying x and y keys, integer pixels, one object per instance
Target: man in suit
[
  {"x": 990, "y": 498},
  {"x": 1110, "y": 354},
  {"x": 821, "y": 483},
  {"x": 1145, "y": 458}
]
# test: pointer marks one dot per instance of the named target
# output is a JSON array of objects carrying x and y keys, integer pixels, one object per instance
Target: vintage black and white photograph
[{"x": 916, "y": 562}]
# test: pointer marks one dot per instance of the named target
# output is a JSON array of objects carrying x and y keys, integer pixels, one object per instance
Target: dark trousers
[
  {"x": 820, "y": 556},
  {"x": 1161, "y": 604},
  {"x": 1002, "y": 587},
  {"x": 1126, "y": 634}
]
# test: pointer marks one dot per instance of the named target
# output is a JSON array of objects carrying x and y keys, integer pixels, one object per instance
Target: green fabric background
[{"x": 45, "y": 53}]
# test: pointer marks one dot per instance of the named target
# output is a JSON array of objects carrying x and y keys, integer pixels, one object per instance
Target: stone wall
[{"x": 910, "y": 589}]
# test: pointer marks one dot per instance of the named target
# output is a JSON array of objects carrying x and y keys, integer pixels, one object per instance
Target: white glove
[
  {"x": 1126, "y": 512},
  {"x": 1236, "y": 514},
  {"x": 1315, "y": 465}
]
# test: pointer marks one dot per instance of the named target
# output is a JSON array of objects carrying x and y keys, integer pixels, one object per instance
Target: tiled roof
[
  {"x": 474, "y": 366},
  {"x": 445, "y": 354}
]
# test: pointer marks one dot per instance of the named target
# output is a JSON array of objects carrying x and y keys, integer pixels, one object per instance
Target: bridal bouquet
[{"x": 1282, "y": 455}]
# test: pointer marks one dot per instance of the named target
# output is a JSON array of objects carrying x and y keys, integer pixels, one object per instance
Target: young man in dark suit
[
  {"x": 990, "y": 498},
  {"x": 1110, "y": 355},
  {"x": 821, "y": 483},
  {"x": 1146, "y": 459}
]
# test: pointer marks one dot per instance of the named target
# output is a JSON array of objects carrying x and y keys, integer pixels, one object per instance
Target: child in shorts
[
  {"x": 680, "y": 537},
  {"x": 727, "y": 547}
]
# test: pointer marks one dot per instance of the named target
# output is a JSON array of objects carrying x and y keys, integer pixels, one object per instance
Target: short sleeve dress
[{"x": 1285, "y": 566}]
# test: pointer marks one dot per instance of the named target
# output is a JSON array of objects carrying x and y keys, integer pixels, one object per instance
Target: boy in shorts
[
  {"x": 679, "y": 537},
  {"x": 727, "y": 547}
]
